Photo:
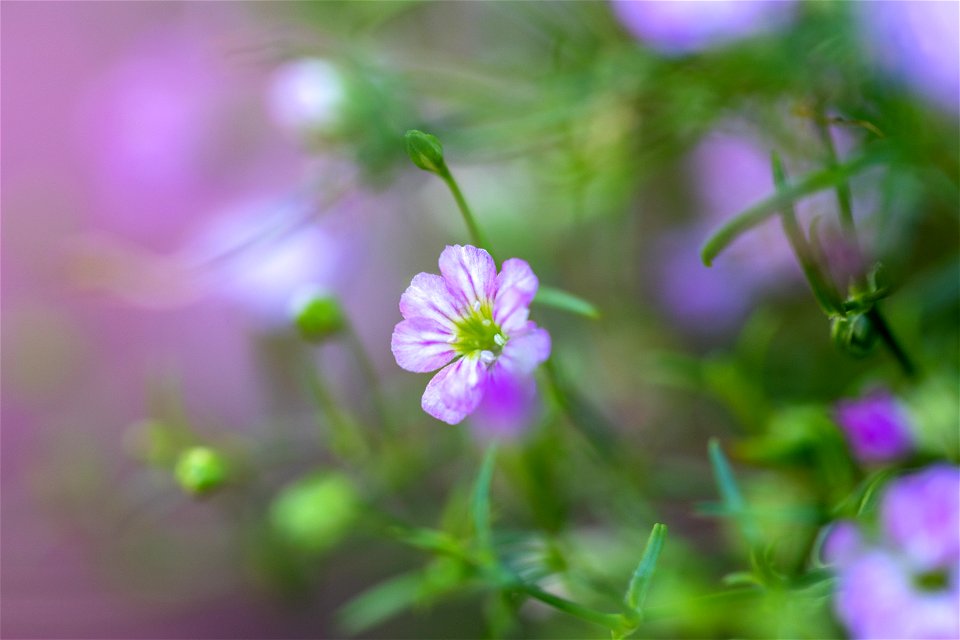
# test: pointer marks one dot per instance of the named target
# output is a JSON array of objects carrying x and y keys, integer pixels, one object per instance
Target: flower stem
[
  {"x": 826, "y": 295},
  {"x": 842, "y": 188},
  {"x": 478, "y": 238},
  {"x": 612, "y": 621},
  {"x": 369, "y": 372},
  {"x": 886, "y": 334}
]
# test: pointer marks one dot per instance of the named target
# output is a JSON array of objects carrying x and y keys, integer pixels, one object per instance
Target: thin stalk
[
  {"x": 886, "y": 334},
  {"x": 341, "y": 428},
  {"x": 369, "y": 372},
  {"x": 846, "y": 220},
  {"x": 823, "y": 291},
  {"x": 612, "y": 621},
  {"x": 844, "y": 199},
  {"x": 478, "y": 238}
]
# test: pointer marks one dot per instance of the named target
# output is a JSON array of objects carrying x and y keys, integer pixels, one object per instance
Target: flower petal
[
  {"x": 524, "y": 351},
  {"x": 509, "y": 405},
  {"x": 429, "y": 297},
  {"x": 456, "y": 390},
  {"x": 421, "y": 344},
  {"x": 515, "y": 288},
  {"x": 470, "y": 274}
]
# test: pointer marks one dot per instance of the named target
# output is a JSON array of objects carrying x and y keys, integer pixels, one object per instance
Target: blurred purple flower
[
  {"x": 475, "y": 318},
  {"x": 730, "y": 172},
  {"x": 683, "y": 27},
  {"x": 306, "y": 95},
  {"x": 918, "y": 43},
  {"x": 907, "y": 585},
  {"x": 876, "y": 426}
]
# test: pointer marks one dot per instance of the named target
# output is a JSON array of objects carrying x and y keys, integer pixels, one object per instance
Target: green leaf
[
  {"x": 565, "y": 301},
  {"x": 817, "y": 181},
  {"x": 381, "y": 602},
  {"x": 643, "y": 575},
  {"x": 480, "y": 502},
  {"x": 730, "y": 493}
]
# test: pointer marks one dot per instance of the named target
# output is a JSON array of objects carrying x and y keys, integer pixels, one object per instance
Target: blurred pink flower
[
  {"x": 918, "y": 43},
  {"x": 674, "y": 28}
]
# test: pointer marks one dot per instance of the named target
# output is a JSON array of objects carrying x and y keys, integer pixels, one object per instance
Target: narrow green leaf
[
  {"x": 730, "y": 493},
  {"x": 642, "y": 577},
  {"x": 565, "y": 301},
  {"x": 381, "y": 602},
  {"x": 480, "y": 503},
  {"x": 817, "y": 181}
]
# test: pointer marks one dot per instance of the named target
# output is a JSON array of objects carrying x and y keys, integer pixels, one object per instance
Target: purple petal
[
  {"x": 871, "y": 596},
  {"x": 428, "y": 297},
  {"x": 842, "y": 543},
  {"x": 524, "y": 351},
  {"x": 421, "y": 344},
  {"x": 508, "y": 407},
  {"x": 515, "y": 288},
  {"x": 456, "y": 390},
  {"x": 470, "y": 274},
  {"x": 921, "y": 515},
  {"x": 876, "y": 427}
]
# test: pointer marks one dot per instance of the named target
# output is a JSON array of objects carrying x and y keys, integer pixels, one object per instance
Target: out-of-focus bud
[
  {"x": 854, "y": 333},
  {"x": 200, "y": 470},
  {"x": 425, "y": 151},
  {"x": 314, "y": 513},
  {"x": 317, "y": 316}
]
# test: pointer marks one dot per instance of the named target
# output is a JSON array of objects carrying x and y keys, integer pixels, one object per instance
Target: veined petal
[
  {"x": 421, "y": 345},
  {"x": 525, "y": 350},
  {"x": 456, "y": 390},
  {"x": 470, "y": 273},
  {"x": 429, "y": 297},
  {"x": 516, "y": 286}
]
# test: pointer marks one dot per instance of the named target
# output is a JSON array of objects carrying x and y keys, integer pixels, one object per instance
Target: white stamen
[
  {"x": 500, "y": 340},
  {"x": 476, "y": 305},
  {"x": 486, "y": 322},
  {"x": 487, "y": 357}
]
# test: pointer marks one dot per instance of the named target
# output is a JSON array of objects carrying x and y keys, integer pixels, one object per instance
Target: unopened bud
[
  {"x": 318, "y": 317},
  {"x": 200, "y": 470},
  {"x": 425, "y": 151},
  {"x": 854, "y": 334},
  {"x": 314, "y": 513}
]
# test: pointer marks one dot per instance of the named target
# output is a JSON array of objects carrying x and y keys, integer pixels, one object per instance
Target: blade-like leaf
[
  {"x": 642, "y": 577},
  {"x": 730, "y": 493},
  {"x": 817, "y": 181},
  {"x": 565, "y": 301}
]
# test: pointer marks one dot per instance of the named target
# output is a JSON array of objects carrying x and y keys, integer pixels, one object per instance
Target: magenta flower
[
  {"x": 876, "y": 426},
  {"x": 471, "y": 323},
  {"x": 906, "y": 584}
]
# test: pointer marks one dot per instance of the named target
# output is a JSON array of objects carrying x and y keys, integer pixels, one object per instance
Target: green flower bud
[
  {"x": 200, "y": 470},
  {"x": 314, "y": 513},
  {"x": 425, "y": 151},
  {"x": 318, "y": 317},
  {"x": 854, "y": 334}
]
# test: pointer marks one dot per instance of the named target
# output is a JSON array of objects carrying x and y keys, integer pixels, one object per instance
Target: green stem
[
  {"x": 843, "y": 187},
  {"x": 826, "y": 295},
  {"x": 475, "y": 233},
  {"x": 612, "y": 621},
  {"x": 886, "y": 334},
  {"x": 369, "y": 373},
  {"x": 343, "y": 434}
]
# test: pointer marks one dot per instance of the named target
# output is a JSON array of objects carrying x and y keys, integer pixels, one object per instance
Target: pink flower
[{"x": 471, "y": 323}]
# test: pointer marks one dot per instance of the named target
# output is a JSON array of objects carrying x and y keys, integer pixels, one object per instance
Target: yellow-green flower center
[{"x": 477, "y": 332}]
